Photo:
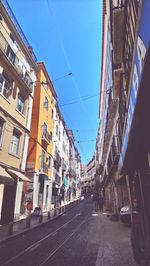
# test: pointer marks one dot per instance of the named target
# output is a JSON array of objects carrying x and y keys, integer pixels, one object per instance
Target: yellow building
[
  {"x": 40, "y": 151},
  {"x": 17, "y": 77}
]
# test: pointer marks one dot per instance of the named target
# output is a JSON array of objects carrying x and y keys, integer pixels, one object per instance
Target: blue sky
[{"x": 66, "y": 36}]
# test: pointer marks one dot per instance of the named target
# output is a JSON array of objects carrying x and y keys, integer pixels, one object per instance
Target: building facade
[
  {"x": 57, "y": 155},
  {"x": 123, "y": 145},
  {"x": 134, "y": 156},
  {"x": 40, "y": 151},
  {"x": 74, "y": 171},
  {"x": 88, "y": 177},
  {"x": 17, "y": 78}
]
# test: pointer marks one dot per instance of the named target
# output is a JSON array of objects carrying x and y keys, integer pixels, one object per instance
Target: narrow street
[{"x": 78, "y": 237}]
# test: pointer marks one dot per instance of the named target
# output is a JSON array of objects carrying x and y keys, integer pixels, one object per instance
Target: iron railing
[
  {"x": 44, "y": 167},
  {"x": 130, "y": 23},
  {"x": 46, "y": 137},
  {"x": 18, "y": 28},
  {"x": 57, "y": 158},
  {"x": 14, "y": 60}
]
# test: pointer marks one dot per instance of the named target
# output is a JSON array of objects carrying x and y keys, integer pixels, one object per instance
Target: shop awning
[
  {"x": 5, "y": 178},
  {"x": 19, "y": 175}
]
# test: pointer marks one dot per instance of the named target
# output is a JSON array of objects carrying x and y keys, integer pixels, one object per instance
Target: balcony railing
[
  {"x": 17, "y": 26},
  {"x": 15, "y": 61},
  {"x": 72, "y": 172},
  {"x": 46, "y": 137},
  {"x": 63, "y": 167},
  {"x": 44, "y": 167},
  {"x": 110, "y": 123},
  {"x": 57, "y": 158},
  {"x": 57, "y": 178},
  {"x": 118, "y": 4},
  {"x": 99, "y": 169}
]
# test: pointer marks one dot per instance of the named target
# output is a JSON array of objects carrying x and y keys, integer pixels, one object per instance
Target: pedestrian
[
  {"x": 101, "y": 203},
  {"x": 96, "y": 200},
  {"x": 60, "y": 199}
]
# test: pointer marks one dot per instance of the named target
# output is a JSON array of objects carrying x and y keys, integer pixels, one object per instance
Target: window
[
  {"x": 56, "y": 130},
  {"x": 52, "y": 113},
  {"x": 43, "y": 159},
  {"x": 44, "y": 128},
  {"x": 2, "y": 122},
  {"x": 46, "y": 103},
  {"x": 11, "y": 55},
  {"x": 27, "y": 79},
  {"x": 59, "y": 135},
  {"x": 51, "y": 136},
  {"x": 49, "y": 162},
  {"x": 21, "y": 104},
  {"x": 5, "y": 88},
  {"x": 15, "y": 142}
]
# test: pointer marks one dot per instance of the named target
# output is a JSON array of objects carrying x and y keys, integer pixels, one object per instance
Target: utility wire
[
  {"x": 84, "y": 99},
  {"x": 79, "y": 141},
  {"x": 64, "y": 52},
  {"x": 65, "y": 104},
  {"x": 79, "y": 146},
  {"x": 84, "y": 96}
]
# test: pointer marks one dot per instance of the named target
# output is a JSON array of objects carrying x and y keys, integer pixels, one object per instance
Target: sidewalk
[
  {"x": 13, "y": 229},
  {"x": 115, "y": 245}
]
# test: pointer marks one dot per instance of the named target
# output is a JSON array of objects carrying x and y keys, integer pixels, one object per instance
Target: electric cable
[{"x": 57, "y": 31}]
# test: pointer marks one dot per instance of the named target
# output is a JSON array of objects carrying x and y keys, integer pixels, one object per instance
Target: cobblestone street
[{"x": 80, "y": 237}]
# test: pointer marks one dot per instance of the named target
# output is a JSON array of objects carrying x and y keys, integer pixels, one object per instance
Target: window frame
[
  {"x": 23, "y": 111},
  {"x": 5, "y": 82},
  {"x": 49, "y": 162},
  {"x": 51, "y": 136},
  {"x": 10, "y": 54},
  {"x": 44, "y": 131},
  {"x": 57, "y": 130},
  {"x": 2, "y": 130},
  {"x": 43, "y": 159},
  {"x": 46, "y": 103},
  {"x": 52, "y": 113},
  {"x": 12, "y": 143}
]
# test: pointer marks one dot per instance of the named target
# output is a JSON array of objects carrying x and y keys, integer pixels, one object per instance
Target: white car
[{"x": 125, "y": 214}]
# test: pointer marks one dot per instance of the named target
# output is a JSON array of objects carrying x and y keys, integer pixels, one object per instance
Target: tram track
[
  {"x": 49, "y": 244},
  {"x": 63, "y": 242},
  {"x": 34, "y": 245}
]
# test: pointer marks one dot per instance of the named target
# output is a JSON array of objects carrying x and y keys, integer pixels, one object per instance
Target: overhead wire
[
  {"x": 85, "y": 98},
  {"x": 64, "y": 52},
  {"x": 57, "y": 31},
  {"x": 79, "y": 146}
]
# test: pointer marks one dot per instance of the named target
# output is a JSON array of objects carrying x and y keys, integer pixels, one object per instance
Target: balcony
[
  {"x": 44, "y": 167},
  {"x": 57, "y": 178},
  {"x": 109, "y": 127},
  {"x": 99, "y": 169},
  {"x": 17, "y": 26},
  {"x": 118, "y": 35},
  {"x": 64, "y": 167},
  {"x": 113, "y": 157},
  {"x": 46, "y": 137},
  {"x": 57, "y": 158},
  {"x": 18, "y": 66},
  {"x": 72, "y": 173}
]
